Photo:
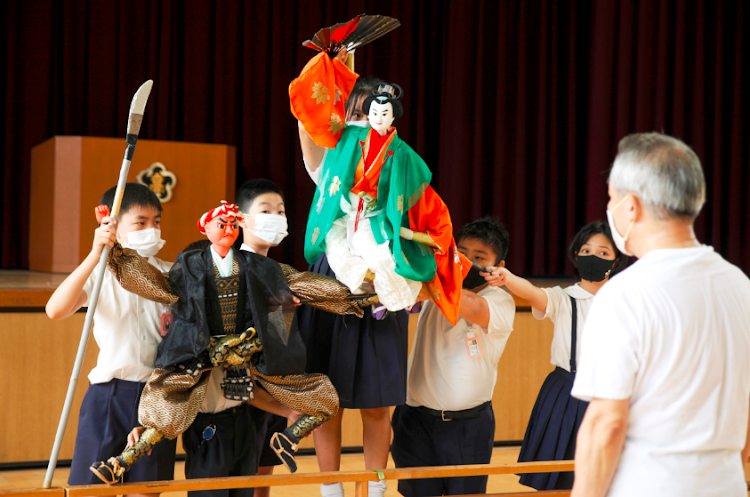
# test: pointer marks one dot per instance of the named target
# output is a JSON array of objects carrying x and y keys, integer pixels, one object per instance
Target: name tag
[{"x": 472, "y": 346}]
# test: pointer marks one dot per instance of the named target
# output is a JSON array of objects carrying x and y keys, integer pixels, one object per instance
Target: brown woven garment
[
  {"x": 312, "y": 394},
  {"x": 228, "y": 291},
  {"x": 137, "y": 276},
  {"x": 321, "y": 291},
  {"x": 171, "y": 399}
]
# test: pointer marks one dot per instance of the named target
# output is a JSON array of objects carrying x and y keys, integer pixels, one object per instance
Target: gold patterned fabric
[
  {"x": 137, "y": 276},
  {"x": 311, "y": 394},
  {"x": 322, "y": 292},
  {"x": 171, "y": 399}
]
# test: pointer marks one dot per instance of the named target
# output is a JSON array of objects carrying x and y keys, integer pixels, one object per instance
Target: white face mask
[
  {"x": 361, "y": 124},
  {"x": 380, "y": 116},
  {"x": 146, "y": 242},
  {"x": 271, "y": 228},
  {"x": 616, "y": 236}
]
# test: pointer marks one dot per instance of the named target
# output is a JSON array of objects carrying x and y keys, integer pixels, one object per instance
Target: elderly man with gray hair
[{"x": 666, "y": 355}]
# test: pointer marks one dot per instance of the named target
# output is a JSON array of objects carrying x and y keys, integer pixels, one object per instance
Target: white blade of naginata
[{"x": 138, "y": 105}]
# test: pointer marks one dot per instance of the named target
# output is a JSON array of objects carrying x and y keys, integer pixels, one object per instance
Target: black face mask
[
  {"x": 474, "y": 279},
  {"x": 593, "y": 268}
]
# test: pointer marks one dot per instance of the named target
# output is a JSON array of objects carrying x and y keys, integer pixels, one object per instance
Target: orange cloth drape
[
  {"x": 317, "y": 98},
  {"x": 430, "y": 215}
]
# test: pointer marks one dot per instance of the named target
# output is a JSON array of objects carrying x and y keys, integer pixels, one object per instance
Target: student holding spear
[{"x": 127, "y": 331}]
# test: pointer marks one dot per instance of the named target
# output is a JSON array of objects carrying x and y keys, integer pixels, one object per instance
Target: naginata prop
[{"x": 135, "y": 118}]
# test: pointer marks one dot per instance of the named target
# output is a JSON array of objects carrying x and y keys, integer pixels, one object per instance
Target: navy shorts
[
  {"x": 420, "y": 439},
  {"x": 232, "y": 450},
  {"x": 108, "y": 413}
]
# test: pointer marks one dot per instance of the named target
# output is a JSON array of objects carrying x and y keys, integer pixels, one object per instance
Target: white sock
[
  {"x": 376, "y": 488},
  {"x": 332, "y": 490}
]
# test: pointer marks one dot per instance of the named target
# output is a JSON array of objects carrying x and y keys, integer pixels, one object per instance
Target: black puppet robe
[{"x": 264, "y": 303}]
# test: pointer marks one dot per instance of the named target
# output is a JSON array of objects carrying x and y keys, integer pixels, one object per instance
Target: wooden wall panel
[
  {"x": 73, "y": 172},
  {"x": 36, "y": 370}
]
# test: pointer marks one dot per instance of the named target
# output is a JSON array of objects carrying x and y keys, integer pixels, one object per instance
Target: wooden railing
[{"x": 360, "y": 479}]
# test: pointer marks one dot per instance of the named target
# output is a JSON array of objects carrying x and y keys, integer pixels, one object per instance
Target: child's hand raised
[
  {"x": 498, "y": 277},
  {"x": 105, "y": 234}
]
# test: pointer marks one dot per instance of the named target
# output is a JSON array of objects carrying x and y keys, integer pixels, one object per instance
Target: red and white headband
[{"x": 225, "y": 209}]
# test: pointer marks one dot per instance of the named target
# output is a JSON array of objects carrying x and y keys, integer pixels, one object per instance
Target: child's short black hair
[
  {"x": 135, "y": 195},
  {"x": 250, "y": 190},
  {"x": 583, "y": 236},
  {"x": 490, "y": 231}
]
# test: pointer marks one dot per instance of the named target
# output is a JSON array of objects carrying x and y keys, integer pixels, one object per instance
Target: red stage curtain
[{"x": 516, "y": 106}]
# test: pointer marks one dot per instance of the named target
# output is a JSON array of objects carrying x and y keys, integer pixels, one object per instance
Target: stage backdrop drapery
[{"x": 516, "y": 106}]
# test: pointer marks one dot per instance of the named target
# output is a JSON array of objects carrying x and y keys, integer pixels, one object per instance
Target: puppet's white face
[{"x": 380, "y": 116}]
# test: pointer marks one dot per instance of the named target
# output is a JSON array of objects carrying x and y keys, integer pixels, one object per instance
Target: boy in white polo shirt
[
  {"x": 127, "y": 331},
  {"x": 448, "y": 418}
]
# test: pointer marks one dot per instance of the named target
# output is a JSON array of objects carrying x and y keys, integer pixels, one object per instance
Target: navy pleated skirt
[
  {"x": 365, "y": 359},
  {"x": 551, "y": 433}
]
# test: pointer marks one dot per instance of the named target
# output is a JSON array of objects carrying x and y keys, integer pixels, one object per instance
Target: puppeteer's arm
[
  {"x": 311, "y": 151},
  {"x": 69, "y": 296},
  {"x": 519, "y": 286},
  {"x": 265, "y": 402},
  {"x": 474, "y": 308}
]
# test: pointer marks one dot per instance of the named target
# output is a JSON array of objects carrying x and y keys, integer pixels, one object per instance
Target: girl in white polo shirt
[{"x": 551, "y": 432}]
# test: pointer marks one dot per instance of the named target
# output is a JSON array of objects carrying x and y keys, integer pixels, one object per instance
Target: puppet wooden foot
[
  {"x": 285, "y": 445},
  {"x": 111, "y": 471}
]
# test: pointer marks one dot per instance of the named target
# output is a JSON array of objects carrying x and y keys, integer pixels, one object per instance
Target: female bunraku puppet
[
  {"x": 231, "y": 309},
  {"x": 374, "y": 213}
]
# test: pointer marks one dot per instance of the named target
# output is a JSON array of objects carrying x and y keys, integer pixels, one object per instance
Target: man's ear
[
  {"x": 637, "y": 205},
  {"x": 501, "y": 264}
]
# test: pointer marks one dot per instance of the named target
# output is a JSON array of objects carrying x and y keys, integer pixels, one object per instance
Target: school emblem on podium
[{"x": 159, "y": 180}]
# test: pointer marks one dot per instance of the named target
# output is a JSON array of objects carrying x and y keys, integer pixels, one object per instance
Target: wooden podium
[{"x": 69, "y": 174}]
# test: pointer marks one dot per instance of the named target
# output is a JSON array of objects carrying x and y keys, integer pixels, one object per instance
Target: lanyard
[{"x": 573, "y": 327}]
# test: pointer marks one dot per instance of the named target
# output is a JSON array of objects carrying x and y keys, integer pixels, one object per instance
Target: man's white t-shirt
[
  {"x": 672, "y": 334},
  {"x": 560, "y": 311},
  {"x": 126, "y": 329},
  {"x": 442, "y": 376}
]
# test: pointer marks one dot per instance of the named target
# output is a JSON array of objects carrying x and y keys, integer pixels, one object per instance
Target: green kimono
[{"x": 403, "y": 179}]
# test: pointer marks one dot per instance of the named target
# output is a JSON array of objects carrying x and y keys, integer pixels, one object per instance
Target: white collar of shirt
[
  {"x": 577, "y": 292},
  {"x": 247, "y": 248},
  {"x": 224, "y": 263}
]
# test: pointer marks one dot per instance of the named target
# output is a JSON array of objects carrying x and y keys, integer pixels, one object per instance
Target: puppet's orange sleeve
[
  {"x": 430, "y": 215},
  {"x": 317, "y": 98}
]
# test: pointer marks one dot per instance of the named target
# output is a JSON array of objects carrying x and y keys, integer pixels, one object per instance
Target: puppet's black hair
[{"x": 384, "y": 94}]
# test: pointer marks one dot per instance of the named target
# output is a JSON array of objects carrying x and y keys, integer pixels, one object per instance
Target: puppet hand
[
  {"x": 221, "y": 349},
  {"x": 341, "y": 56},
  {"x": 424, "y": 293},
  {"x": 101, "y": 211}
]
